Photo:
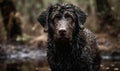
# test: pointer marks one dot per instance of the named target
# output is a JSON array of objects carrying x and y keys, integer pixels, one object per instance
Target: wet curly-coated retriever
[{"x": 71, "y": 47}]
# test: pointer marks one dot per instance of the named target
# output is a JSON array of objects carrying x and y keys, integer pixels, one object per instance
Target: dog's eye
[
  {"x": 68, "y": 15},
  {"x": 58, "y": 16}
]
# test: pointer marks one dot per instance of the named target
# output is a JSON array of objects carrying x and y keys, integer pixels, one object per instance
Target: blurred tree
[
  {"x": 108, "y": 23},
  {"x": 11, "y": 19},
  {"x": 104, "y": 11}
]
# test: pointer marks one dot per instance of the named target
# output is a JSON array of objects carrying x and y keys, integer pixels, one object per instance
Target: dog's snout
[{"x": 62, "y": 32}]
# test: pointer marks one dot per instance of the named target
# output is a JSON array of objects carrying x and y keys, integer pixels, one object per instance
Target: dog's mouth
[{"x": 62, "y": 38}]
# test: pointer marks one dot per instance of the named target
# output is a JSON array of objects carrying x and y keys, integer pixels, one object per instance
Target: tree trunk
[
  {"x": 106, "y": 17},
  {"x": 104, "y": 12},
  {"x": 10, "y": 19}
]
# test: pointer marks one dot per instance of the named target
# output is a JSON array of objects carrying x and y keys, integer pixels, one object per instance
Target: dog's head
[{"x": 62, "y": 20}]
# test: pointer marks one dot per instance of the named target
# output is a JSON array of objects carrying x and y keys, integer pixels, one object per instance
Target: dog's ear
[
  {"x": 42, "y": 18},
  {"x": 81, "y": 17}
]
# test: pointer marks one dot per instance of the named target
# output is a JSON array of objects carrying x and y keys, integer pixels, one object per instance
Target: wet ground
[
  {"x": 106, "y": 65},
  {"x": 109, "y": 65},
  {"x": 25, "y": 58}
]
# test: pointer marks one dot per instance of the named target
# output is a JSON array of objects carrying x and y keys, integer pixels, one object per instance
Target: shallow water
[
  {"x": 106, "y": 65},
  {"x": 23, "y": 58}
]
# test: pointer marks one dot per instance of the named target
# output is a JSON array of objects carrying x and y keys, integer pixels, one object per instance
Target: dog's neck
[
  {"x": 63, "y": 45},
  {"x": 78, "y": 42}
]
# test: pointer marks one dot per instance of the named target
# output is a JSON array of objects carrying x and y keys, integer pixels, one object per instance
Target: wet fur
[{"x": 80, "y": 54}]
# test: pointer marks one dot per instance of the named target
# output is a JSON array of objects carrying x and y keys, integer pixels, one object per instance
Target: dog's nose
[{"x": 62, "y": 32}]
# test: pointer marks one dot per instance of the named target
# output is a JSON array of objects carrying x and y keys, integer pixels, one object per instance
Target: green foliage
[{"x": 32, "y": 8}]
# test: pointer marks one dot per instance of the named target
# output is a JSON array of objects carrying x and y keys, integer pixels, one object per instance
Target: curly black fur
[{"x": 80, "y": 54}]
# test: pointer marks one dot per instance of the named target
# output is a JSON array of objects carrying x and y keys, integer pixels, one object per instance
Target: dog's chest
[
  {"x": 69, "y": 63},
  {"x": 69, "y": 59},
  {"x": 65, "y": 63}
]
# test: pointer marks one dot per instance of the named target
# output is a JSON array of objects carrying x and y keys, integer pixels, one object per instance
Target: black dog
[{"x": 71, "y": 47}]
